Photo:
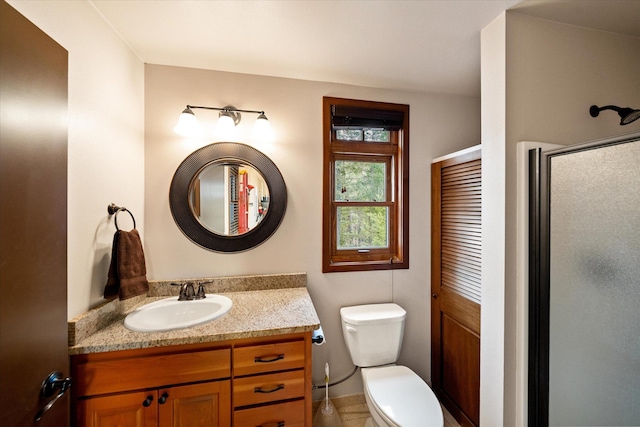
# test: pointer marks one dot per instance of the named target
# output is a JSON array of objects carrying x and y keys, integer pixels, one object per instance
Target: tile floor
[{"x": 353, "y": 411}]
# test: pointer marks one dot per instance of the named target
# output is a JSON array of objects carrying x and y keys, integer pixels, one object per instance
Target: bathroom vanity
[{"x": 251, "y": 367}]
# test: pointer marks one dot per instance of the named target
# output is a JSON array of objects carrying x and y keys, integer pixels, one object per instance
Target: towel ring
[{"x": 114, "y": 209}]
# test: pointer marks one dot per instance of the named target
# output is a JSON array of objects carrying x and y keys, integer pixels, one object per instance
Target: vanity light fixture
[
  {"x": 228, "y": 119},
  {"x": 627, "y": 115}
]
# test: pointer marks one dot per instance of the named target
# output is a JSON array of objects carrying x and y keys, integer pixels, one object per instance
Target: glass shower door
[{"x": 590, "y": 248}]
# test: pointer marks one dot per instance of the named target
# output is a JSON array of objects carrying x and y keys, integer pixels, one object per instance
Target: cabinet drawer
[
  {"x": 268, "y": 358},
  {"x": 268, "y": 388},
  {"x": 124, "y": 374},
  {"x": 290, "y": 414}
]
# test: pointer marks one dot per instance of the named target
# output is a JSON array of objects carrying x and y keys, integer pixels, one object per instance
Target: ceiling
[{"x": 418, "y": 46}]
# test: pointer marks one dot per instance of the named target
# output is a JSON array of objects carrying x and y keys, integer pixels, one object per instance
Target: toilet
[{"x": 396, "y": 396}]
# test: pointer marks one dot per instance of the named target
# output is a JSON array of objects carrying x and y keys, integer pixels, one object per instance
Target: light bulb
[
  {"x": 187, "y": 124},
  {"x": 262, "y": 129},
  {"x": 225, "y": 127}
]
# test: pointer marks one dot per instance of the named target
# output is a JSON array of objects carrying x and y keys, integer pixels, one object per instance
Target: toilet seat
[{"x": 401, "y": 398}]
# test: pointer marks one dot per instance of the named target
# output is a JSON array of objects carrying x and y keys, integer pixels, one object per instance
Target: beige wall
[
  {"x": 492, "y": 324},
  {"x": 439, "y": 124},
  {"x": 106, "y": 138},
  {"x": 547, "y": 76}
]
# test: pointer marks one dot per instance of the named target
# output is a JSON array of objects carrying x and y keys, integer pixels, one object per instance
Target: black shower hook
[{"x": 114, "y": 209}]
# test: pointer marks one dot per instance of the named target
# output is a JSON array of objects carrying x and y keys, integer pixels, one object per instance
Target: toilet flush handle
[{"x": 351, "y": 329}]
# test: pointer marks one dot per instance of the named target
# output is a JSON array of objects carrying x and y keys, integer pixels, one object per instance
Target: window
[{"x": 365, "y": 185}]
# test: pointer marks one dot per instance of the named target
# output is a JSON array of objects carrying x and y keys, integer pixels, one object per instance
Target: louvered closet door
[{"x": 455, "y": 284}]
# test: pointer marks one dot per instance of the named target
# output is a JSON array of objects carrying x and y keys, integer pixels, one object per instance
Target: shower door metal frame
[{"x": 539, "y": 271}]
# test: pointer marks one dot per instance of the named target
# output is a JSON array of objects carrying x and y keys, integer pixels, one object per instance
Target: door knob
[{"x": 53, "y": 382}]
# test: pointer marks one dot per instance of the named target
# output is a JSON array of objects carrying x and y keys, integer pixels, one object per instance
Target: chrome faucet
[{"x": 188, "y": 293}]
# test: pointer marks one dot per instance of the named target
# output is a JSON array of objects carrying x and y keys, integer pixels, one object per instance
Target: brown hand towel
[{"x": 127, "y": 272}]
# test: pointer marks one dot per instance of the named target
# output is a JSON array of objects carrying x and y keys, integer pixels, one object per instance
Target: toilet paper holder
[{"x": 317, "y": 336}]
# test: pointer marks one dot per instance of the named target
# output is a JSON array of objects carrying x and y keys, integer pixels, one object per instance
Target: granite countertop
[{"x": 269, "y": 310}]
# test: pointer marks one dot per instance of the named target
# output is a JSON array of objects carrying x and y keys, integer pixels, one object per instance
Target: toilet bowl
[{"x": 395, "y": 395}]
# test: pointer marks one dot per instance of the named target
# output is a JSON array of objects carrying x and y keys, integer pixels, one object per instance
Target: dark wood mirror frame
[{"x": 228, "y": 151}]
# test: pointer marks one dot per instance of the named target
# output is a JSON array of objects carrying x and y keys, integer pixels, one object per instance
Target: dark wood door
[
  {"x": 33, "y": 220},
  {"x": 455, "y": 284}
]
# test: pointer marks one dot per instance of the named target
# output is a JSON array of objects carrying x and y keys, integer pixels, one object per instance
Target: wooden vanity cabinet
[
  {"x": 205, "y": 404},
  {"x": 272, "y": 382},
  {"x": 252, "y": 382},
  {"x": 171, "y": 386}
]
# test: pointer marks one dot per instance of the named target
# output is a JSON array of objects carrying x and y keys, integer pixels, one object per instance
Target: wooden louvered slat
[
  {"x": 466, "y": 217},
  {"x": 462, "y": 183},
  {"x": 465, "y": 231},
  {"x": 456, "y": 285},
  {"x": 461, "y": 259},
  {"x": 473, "y": 195},
  {"x": 464, "y": 273},
  {"x": 461, "y": 228},
  {"x": 466, "y": 243},
  {"x": 450, "y": 247},
  {"x": 460, "y": 170},
  {"x": 473, "y": 279}
]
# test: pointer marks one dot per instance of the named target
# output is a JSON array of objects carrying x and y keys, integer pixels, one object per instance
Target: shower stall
[{"x": 584, "y": 284}]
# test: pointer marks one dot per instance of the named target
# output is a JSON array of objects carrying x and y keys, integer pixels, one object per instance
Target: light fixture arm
[
  {"x": 229, "y": 117},
  {"x": 228, "y": 108}
]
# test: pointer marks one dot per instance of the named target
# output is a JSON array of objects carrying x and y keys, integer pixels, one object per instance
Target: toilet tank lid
[{"x": 373, "y": 314}]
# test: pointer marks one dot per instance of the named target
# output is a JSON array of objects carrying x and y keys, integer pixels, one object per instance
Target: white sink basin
[{"x": 169, "y": 314}]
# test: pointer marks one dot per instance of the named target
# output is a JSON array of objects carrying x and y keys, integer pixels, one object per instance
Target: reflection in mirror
[{"x": 228, "y": 197}]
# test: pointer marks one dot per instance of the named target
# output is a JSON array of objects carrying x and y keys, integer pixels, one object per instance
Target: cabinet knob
[
  {"x": 163, "y": 398},
  {"x": 147, "y": 402},
  {"x": 434, "y": 295}
]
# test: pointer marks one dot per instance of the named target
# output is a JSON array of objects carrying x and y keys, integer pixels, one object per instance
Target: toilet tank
[{"x": 373, "y": 333}]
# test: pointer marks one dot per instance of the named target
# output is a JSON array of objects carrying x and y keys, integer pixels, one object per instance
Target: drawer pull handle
[
  {"x": 260, "y": 390},
  {"x": 276, "y": 424},
  {"x": 259, "y": 359}
]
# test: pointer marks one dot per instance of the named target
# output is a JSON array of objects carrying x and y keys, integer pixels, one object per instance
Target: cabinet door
[
  {"x": 202, "y": 405},
  {"x": 137, "y": 409}
]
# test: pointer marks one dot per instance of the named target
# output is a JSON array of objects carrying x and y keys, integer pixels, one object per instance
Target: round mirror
[{"x": 228, "y": 197}]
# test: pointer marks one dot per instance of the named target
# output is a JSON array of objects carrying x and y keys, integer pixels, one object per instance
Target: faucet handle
[
  {"x": 201, "y": 294},
  {"x": 181, "y": 285}
]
